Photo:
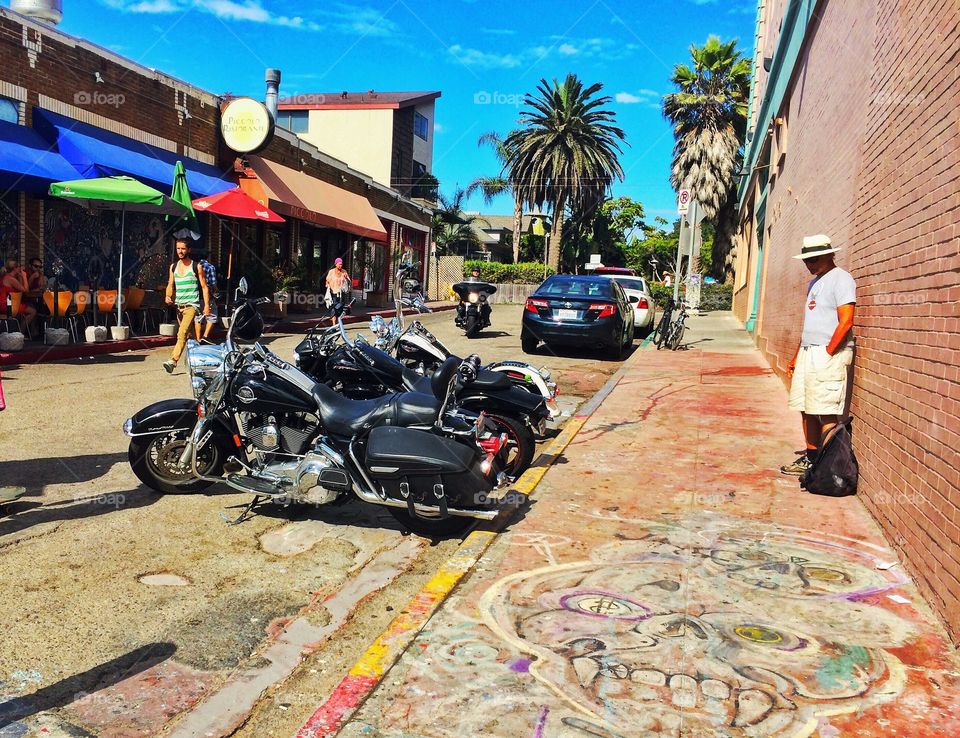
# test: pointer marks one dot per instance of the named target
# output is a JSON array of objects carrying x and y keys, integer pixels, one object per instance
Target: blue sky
[{"x": 483, "y": 55}]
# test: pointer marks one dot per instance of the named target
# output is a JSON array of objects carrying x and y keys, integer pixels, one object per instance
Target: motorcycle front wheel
[
  {"x": 154, "y": 459},
  {"x": 471, "y": 326}
]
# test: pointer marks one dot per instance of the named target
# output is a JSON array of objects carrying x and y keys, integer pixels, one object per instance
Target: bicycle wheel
[{"x": 676, "y": 336}]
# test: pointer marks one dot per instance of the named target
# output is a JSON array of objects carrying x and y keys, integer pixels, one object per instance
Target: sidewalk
[
  {"x": 36, "y": 352},
  {"x": 668, "y": 581}
]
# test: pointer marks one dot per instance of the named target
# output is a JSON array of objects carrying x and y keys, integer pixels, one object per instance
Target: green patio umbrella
[
  {"x": 186, "y": 225},
  {"x": 110, "y": 192}
]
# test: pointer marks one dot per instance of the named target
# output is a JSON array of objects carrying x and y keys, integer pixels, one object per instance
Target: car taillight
[
  {"x": 606, "y": 309},
  {"x": 533, "y": 305},
  {"x": 642, "y": 303}
]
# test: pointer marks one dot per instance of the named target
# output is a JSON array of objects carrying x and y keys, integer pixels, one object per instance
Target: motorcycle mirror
[
  {"x": 242, "y": 287},
  {"x": 377, "y": 325}
]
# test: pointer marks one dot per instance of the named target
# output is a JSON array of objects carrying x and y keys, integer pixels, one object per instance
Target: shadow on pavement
[
  {"x": 35, "y": 474},
  {"x": 79, "y": 686}
]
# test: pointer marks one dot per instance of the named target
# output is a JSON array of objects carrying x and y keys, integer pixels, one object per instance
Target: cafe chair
[
  {"x": 63, "y": 300},
  {"x": 15, "y": 318},
  {"x": 106, "y": 305},
  {"x": 81, "y": 301},
  {"x": 134, "y": 314}
]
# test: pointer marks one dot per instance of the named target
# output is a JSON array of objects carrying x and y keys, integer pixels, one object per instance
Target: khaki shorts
[{"x": 820, "y": 381}]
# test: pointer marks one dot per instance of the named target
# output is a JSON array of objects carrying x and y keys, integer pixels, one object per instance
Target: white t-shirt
[{"x": 824, "y": 295}]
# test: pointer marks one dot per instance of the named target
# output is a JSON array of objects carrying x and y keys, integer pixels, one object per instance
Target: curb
[
  {"x": 83, "y": 350},
  {"x": 293, "y": 326},
  {"x": 370, "y": 669}
]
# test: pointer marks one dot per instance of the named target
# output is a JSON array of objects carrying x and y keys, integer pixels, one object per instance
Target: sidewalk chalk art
[{"x": 705, "y": 626}]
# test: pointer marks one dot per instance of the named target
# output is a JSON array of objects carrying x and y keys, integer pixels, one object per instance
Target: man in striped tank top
[{"x": 187, "y": 289}]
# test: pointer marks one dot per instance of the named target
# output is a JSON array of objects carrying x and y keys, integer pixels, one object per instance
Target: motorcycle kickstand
[{"x": 248, "y": 508}]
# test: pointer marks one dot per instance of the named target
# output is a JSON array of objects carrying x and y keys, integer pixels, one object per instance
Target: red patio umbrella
[{"x": 235, "y": 203}]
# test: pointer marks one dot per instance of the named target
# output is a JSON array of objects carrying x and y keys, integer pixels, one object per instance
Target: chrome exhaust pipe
[{"x": 372, "y": 498}]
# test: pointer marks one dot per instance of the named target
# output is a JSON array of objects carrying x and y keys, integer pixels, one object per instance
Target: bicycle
[
  {"x": 677, "y": 328},
  {"x": 662, "y": 330}
]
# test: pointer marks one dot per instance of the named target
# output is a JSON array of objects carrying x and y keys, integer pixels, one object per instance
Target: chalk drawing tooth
[
  {"x": 649, "y": 676},
  {"x": 715, "y": 688}
]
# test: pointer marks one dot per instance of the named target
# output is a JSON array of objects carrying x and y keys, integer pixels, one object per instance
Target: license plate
[{"x": 566, "y": 314}]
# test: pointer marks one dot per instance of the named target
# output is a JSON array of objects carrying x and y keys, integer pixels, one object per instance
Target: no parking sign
[{"x": 683, "y": 202}]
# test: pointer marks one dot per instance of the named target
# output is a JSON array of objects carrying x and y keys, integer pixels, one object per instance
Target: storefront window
[
  {"x": 9, "y": 227},
  {"x": 9, "y": 110}
]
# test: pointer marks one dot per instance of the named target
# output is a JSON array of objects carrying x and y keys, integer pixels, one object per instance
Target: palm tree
[
  {"x": 491, "y": 187},
  {"x": 453, "y": 228},
  {"x": 709, "y": 115},
  {"x": 566, "y": 153}
]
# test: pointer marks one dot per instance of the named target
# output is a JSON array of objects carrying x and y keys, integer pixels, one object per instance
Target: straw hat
[{"x": 814, "y": 246}]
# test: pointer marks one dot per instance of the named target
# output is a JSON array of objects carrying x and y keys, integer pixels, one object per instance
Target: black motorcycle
[
  {"x": 473, "y": 312},
  {"x": 360, "y": 371},
  {"x": 264, "y": 427}
]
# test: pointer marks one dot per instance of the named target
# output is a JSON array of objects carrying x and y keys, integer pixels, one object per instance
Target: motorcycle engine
[{"x": 287, "y": 433}]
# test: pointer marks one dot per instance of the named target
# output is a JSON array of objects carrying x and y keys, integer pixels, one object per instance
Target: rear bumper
[{"x": 601, "y": 332}]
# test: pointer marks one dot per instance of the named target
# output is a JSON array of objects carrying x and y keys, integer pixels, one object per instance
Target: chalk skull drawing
[{"x": 729, "y": 636}]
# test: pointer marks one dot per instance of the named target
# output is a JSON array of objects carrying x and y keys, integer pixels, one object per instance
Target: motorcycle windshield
[{"x": 463, "y": 289}]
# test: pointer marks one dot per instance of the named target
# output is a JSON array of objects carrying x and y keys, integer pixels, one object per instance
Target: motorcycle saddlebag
[{"x": 432, "y": 470}]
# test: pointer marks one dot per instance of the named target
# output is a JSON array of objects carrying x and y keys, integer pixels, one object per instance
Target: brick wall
[{"x": 873, "y": 159}]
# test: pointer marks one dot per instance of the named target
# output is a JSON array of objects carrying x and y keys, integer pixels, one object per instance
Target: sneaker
[
  {"x": 797, "y": 468},
  {"x": 169, "y": 365}
]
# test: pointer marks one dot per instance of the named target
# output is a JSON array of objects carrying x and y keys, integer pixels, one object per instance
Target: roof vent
[{"x": 47, "y": 11}]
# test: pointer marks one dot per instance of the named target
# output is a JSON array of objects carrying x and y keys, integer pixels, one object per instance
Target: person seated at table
[
  {"x": 14, "y": 278},
  {"x": 35, "y": 277}
]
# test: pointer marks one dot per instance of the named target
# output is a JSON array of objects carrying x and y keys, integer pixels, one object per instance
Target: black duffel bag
[{"x": 834, "y": 472}]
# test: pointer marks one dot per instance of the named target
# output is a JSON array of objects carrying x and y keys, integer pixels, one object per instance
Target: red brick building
[
  {"x": 70, "y": 109},
  {"x": 854, "y": 132}
]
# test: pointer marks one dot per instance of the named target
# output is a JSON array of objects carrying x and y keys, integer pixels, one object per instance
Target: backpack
[
  {"x": 834, "y": 472},
  {"x": 210, "y": 272}
]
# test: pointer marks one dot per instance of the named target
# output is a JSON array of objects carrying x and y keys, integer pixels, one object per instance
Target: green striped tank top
[{"x": 186, "y": 288}]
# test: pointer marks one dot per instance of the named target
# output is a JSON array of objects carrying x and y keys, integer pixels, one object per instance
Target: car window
[
  {"x": 576, "y": 287},
  {"x": 631, "y": 283}
]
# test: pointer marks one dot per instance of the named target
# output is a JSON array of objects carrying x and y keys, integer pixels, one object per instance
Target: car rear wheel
[{"x": 528, "y": 343}]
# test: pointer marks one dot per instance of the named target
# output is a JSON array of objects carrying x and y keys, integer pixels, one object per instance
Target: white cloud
[
  {"x": 499, "y": 31},
  {"x": 626, "y": 98},
  {"x": 437, "y": 128},
  {"x": 561, "y": 46},
  {"x": 646, "y": 97},
  {"x": 247, "y": 11},
  {"x": 485, "y": 59},
  {"x": 154, "y": 6}
]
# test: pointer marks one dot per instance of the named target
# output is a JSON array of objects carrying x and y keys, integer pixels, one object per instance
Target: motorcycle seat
[
  {"x": 486, "y": 380},
  {"x": 345, "y": 417}
]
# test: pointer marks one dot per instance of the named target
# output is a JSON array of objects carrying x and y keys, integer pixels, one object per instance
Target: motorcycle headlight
[
  {"x": 203, "y": 363},
  {"x": 473, "y": 297}
]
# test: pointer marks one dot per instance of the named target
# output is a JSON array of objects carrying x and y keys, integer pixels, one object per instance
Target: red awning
[{"x": 298, "y": 195}]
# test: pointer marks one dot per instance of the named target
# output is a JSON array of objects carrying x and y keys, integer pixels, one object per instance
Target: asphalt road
[{"x": 125, "y": 610}]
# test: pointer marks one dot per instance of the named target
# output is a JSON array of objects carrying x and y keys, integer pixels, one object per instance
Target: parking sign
[{"x": 683, "y": 202}]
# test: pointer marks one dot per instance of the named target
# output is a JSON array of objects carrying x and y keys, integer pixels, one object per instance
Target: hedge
[
  {"x": 523, "y": 273},
  {"x": 712, "y": 296}
]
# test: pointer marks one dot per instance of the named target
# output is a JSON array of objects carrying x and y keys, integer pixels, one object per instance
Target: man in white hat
[{"x": 820, "y": 369}]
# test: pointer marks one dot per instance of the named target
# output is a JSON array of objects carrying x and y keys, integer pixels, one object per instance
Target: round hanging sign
[{"x": 246, "y": 125}]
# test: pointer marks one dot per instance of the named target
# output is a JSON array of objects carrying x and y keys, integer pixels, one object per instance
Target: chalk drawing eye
[{"x": 764, "y": 635}]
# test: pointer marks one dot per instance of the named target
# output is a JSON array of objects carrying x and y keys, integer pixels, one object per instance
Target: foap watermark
[
  {"x": 113, "y": 99},
  {"x": 303, "y": 98},
  {"x": 116, "y": 500},
  {"x": 899, "y": 99},
  {"x": 511, "y": 497},
  {"x": 483, "y": 97}
]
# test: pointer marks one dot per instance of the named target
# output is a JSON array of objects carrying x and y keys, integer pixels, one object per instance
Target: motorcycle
[
  {"x": 473, "y": 312},
  {"x": 417, "y": 348},
  {"x": 360, "y": 371},
  {"x": 264, "y": 427}
]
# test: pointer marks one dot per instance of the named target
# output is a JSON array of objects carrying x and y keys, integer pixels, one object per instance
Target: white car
[{"x": 644, "y": 308}]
